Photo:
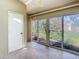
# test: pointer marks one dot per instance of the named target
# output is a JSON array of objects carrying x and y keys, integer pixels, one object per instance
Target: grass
[{"x": 70, "y": 38}]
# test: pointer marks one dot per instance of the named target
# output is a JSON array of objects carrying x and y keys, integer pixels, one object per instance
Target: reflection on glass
[{"x": 71, "y": 32}]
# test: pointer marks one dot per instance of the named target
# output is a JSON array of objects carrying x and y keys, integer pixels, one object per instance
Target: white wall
[{"x": 5, "y": 6}]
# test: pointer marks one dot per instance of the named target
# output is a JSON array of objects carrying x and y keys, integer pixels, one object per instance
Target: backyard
[{"x": 52, "y": 30}]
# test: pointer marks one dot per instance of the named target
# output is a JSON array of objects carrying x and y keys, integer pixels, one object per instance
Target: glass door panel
[
  {"x": 71, "y": 32},
  {"x": 42, "y": 32},
  {"x": 55, "y": 31},
  {"x": 34, "y": 30}
]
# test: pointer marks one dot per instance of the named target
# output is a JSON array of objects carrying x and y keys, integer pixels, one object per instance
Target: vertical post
[
  {"x": 37, "y": 29},
  {"x": 62, "y": 43},
  {"x": 29, "y": 29},
  {"x": 47, "y": 31}
]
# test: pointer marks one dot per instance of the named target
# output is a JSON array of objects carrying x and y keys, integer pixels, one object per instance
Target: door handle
[{"x": 21, "y": 33}]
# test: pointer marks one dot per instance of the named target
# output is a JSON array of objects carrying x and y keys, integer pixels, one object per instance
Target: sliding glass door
[
  {"x": 39, "y": 30},
  {"x": 34, "y": 30},
  {"x": 58, "y": 31},
  {"x": 71, "y": 32},
  {"x": 42, "y": 32},
  {"x": 55, "y": 31}
]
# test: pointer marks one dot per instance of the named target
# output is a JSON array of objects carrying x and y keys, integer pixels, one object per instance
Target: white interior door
[{"x": 15, "y": 31}]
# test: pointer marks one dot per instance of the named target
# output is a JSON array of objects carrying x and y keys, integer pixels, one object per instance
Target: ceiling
[{"x": 35, "y": 6}]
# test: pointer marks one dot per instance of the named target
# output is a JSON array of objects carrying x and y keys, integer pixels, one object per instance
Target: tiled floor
[{"x": 37, "y": 51}]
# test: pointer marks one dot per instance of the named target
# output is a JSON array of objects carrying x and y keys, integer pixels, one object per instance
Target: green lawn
[{"x": 70, "y": 38}]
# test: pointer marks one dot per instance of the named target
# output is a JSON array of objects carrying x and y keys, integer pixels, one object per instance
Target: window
[
  {"x": 58, "y": 31},
  {"x": 71, "y": 32},
  {"x": 55, "y": 31},
  {"x": 42, "y": 32},
  {"x": 34, "y": 29}
]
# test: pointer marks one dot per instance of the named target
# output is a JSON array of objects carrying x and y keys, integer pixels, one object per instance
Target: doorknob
[{"x": 21, "y": 33}]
